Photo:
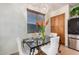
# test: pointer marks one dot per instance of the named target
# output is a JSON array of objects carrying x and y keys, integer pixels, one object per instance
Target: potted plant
[{"x": 75, "y": 11}]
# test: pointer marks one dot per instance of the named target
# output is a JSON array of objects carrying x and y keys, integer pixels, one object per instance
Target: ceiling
[{"x": 54, "y": 6}]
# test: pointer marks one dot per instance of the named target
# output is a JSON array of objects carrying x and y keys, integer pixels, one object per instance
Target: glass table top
[{"x": 35, "y": 42}]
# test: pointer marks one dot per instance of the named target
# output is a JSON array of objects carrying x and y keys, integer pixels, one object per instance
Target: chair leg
[
  {"x": 59, "y": 51},
  {"x": 30, "y": 51},
  {"x": 33, "y": 51}
]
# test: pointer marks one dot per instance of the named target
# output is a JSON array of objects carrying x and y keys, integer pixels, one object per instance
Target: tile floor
[
  {"x": 68, "y": 51},
  {"x": 64, "y": 51}
]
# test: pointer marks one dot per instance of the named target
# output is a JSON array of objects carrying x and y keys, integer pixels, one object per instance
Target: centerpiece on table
[{"x": 41, "y": 25}]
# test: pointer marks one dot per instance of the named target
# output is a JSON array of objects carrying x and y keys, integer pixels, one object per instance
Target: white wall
[
  {"x": 64, "y": 9},
  {"x": 13, "y": 23}
]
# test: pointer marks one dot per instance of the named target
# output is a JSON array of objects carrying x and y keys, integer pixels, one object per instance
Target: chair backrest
[
  {"x": 54, "y": 44},
  {"x": 19, "y": 44},
  {"x": 53, "y": 34},
  {"x": 54, "y": 40},
  {"x": 22, "y": 48}
]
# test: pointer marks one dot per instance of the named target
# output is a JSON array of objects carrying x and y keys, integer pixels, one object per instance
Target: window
[{"x": 32, "y": 16}]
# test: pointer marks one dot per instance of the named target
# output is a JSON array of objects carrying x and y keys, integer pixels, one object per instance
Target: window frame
[{"x": 36, "y": 12}]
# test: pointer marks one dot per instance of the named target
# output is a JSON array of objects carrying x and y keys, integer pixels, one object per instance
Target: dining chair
[
  {"x": 23, "y": 49},
  {"x": 52, "y": 47},
  {"x": 53, "y": 34}
]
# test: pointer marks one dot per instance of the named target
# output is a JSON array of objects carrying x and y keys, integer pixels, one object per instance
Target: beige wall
[{"x": 65, "y": 10}]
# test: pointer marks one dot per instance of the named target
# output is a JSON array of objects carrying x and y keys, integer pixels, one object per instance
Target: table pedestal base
[{"x": 40, "y": 52}]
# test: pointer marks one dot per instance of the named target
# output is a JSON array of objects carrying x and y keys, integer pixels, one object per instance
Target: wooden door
[{"x": 58, "y": 26}]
